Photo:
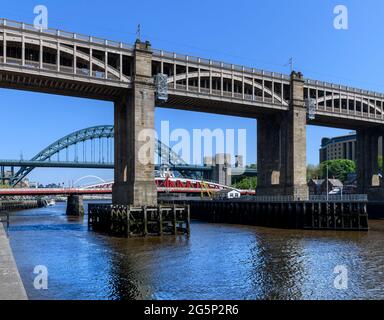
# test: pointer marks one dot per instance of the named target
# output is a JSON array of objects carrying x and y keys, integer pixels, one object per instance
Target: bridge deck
[{"x": 102, "y": 69}]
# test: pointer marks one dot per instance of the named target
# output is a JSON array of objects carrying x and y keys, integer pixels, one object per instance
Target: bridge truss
[
  {"x": 91, "y": 147},
  {"x": 73, "y": 64}
]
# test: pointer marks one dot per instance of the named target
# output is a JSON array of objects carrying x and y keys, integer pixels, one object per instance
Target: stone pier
[
  {"x": 75, "y": 206},
  {"x": 221, "y": 173},
  {"x": 221, "y": 169},
  {"x": 281, "y": 148},
  {"x": 368, "y": 179},
  {"x": 134, "y": 135}
]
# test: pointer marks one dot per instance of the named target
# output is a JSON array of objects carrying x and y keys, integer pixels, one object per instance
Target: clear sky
[{"x": 255, "y": 33}]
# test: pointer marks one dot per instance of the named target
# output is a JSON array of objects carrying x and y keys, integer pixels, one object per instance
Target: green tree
[
  {"x": 338, "y": 169},
  {"x": 247, "y": 183},
  {"x": 313, "y": 172}
]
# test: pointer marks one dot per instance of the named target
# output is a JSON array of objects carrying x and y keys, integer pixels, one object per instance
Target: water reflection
[{"x": 215, "y": 262}]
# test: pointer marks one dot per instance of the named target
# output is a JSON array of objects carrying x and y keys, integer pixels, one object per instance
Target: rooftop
[{"x": 327, "y": 141}]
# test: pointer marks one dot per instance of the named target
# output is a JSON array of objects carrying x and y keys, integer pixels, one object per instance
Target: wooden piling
[
  {"x": 314, "y": 215},
  {"x": 145, "y": 221},
  {"x": 189, "y": 219},
  {"x": 130, "y": 221}
]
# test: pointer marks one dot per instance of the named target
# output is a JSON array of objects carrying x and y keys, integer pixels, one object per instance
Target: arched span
[
  {"x": 87, "y": 177},
  {"x": 337, "y": 97},
  {"x": 239, "y": 79},
  {"x": 166, "y": 155},
  {"x": 79, "y": 54}
]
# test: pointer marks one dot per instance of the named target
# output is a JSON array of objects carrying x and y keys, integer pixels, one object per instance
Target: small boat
[{"x": 51, "y": 203}]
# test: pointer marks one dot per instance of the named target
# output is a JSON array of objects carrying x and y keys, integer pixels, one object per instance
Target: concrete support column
[
  {"x": 281, "y": 149},
  {"x": 208, "y": 162},
  {"x": 222, "y": 169},
  {"x": 134, "y": 136},
  {"x": 367, "y": 164},
  {"x": 75, "y": 206},
  {"x": 296, "y": 141},
  {"x": 382, "y": 159},
  {"x": 269, "y": 157}
]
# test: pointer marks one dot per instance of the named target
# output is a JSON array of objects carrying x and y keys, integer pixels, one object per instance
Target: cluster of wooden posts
[
  {"x": 293, "y": 215},
  {"x": 128, "y": 221}
]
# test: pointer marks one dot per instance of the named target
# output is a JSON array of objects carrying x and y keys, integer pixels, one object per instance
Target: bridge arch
[
  {"x": 165, "y": 154},
  {"x": 88, "y": 177},
  {"x": 237, "y": 80},
  {"x": 345, "y": 98},
  {"x": 63, "y": 48}
]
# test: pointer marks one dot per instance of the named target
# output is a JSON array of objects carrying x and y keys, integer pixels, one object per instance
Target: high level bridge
[{"x": 59, "y": 62}]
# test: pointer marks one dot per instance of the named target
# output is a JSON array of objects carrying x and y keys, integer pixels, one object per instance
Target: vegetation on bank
[
  {"x": 246, "y": 183},
  {"x": 337, "y": 169}
]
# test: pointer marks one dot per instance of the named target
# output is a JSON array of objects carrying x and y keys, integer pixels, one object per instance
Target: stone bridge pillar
[
  {"x": 208, "y": 162},
  {"x": 75, "y": 206},
  {"x": 134, "y": 135},
  {"x": 281, "y": 149},
  {"x": 269, "y": 156},
  {"x": 222, "y": 169},
  {"x": 368, "y": 180}
]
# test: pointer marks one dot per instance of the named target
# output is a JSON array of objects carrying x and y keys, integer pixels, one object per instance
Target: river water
[{"x": 217, "y": 261}]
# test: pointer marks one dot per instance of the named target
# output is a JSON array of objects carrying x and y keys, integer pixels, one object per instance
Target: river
[{"x": 217, "y": 261}]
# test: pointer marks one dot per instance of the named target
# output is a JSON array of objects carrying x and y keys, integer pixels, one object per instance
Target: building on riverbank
[{"x": 342, "y": 147}]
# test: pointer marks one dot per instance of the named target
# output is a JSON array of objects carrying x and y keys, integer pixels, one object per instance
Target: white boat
[{"x": 51, "y": 203}]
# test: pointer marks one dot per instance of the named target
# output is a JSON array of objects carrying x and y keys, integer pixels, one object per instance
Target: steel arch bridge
[{"x": 97, "y": 140}]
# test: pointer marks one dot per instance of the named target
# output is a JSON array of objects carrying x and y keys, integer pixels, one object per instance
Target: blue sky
[{"x": 260, "y": 34}]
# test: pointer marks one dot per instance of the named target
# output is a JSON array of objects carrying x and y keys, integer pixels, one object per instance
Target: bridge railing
[
  {"x": 65, "y": 34},
  {"x": 312, "y": 198},
  {"x": 340, "y": 87},
  {"x": 218, "y": 64},
  {"x": 344, "y": 197}
]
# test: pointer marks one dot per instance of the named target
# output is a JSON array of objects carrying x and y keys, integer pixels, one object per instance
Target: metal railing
[
  {"x": 219, "y": 64},
  {"x": 64, "y": 34},
  {"x": 160, "y": 53},
  {"x": 344, "y": 197},
  {"x": 340, "y": 87},
  {"x": 311, "y": 198},
  {"x": 180, "y": 57}
]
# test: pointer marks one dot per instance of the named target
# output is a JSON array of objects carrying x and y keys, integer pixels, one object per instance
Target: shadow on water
[
  {"x": 289, "y": 264},
  {"x": 215, "y": 262}
]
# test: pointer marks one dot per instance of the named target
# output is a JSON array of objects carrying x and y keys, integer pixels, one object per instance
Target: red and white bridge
[{"x": 164, "y": 185}]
